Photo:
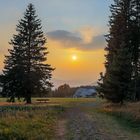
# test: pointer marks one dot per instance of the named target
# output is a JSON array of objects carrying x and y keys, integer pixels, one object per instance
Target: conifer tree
[
  {"x": 135, "y": 28},
  {"x": 26, "y": 71},
  {"x": 114, "y": 84}
]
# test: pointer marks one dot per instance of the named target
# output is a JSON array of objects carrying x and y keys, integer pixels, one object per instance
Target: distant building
[{"x": 85, "y": 92}]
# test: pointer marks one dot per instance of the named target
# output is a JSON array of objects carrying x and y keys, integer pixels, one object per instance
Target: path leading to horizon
[
  {"x": 69, "y": 119},
  {"x": 80, "y": 123},
  {"x": 81, "y": 126}
]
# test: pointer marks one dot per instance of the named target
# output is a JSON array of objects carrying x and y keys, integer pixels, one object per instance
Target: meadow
[
  {"x": 28, "y": 122},
  {"x": 37, "y": 121},
  {"x": 69, "y": 119}
]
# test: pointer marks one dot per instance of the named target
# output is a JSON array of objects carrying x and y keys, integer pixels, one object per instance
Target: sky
[{"x": 75, "y": 32}]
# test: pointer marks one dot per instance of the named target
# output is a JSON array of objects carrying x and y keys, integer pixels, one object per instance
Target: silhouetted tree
[
  {"x": 115, "y": 83},
  {"x": 135, "y": 29},
  {"x": 26, "y": 71}
]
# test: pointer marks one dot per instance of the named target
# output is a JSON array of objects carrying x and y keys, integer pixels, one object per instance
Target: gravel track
[{"x": 81, "y": 126}]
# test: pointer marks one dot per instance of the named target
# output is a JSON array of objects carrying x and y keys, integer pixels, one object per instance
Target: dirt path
[
  {"x": 81, "y": 126},
  {"x": 78, "y": 125}
]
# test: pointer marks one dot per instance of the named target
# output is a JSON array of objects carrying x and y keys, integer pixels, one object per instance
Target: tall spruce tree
[
  {"x": 114, "y": 84},
  {"x": 138, "y": 21},
  {"x": 135, "y": 28},
  {"x": 26, "y": 71}
]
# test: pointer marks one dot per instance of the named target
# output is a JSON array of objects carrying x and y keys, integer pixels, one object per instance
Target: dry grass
[
  {"x": 52, "y": 101},
  {"x": 131, "y": 109},
  {"x": 28, "y": 122},
  {"x": 117, "y": 122}
]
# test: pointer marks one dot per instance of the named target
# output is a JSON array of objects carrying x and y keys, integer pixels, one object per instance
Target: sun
[{"x": 74, "y": 57}]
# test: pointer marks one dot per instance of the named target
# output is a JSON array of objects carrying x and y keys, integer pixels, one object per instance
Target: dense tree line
[
  {"x": 121, "y": 80},
  {"x": 26, "y": 72}
]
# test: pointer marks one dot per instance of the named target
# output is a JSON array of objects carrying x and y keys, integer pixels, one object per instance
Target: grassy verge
[
  {"x": 28, "y": 122},
  {"x": 117, "y": 122},
  {"x": 127, "y": 115},
  {"x": 37, "y": 121}
]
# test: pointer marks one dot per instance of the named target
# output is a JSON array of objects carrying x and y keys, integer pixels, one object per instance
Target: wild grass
[
  {"x": 133, "y": 109},
  {"x": 68, "y": 102},
  {"x": 127, "y": 115},
  {"x": 37, "y": 121},
  {"x": 111, "y": 126},
  {"x": 115, "y": 121},
  {"x": 56, "y": 100},
  {"x": 28, "y": 122}
]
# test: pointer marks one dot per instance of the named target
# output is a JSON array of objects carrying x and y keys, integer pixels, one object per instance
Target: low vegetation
[
  {"x": 40, "y": 120},
  {"x": 28, "y": 122},
  {"x": 128, "y": 114},
  {"x": 117, "y": 122}
]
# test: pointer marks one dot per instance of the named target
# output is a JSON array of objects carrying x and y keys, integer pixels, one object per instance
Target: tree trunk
[
  {"x": 28, "y": 100},
  {"x": 28, "y": 97}
]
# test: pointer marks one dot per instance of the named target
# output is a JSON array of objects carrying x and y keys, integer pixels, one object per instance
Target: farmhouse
[{"x": 85, "y": 92}]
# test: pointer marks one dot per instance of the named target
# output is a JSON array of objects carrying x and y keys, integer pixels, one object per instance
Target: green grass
[
  {"x": 3, "y": 99},
  {"x": 35, "y": 121},
  {"x": 126, "y": 120},
  {"x": 28, "y": 123},
  {"x": 115, "y": 126},
  {"x": 39, "y": 121},
  {"x": 61, "y": 100},
  {"x": 71, "y": 101}
]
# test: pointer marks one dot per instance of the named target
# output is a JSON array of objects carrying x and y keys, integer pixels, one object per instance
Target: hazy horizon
[{"x": 75, "y": 36}]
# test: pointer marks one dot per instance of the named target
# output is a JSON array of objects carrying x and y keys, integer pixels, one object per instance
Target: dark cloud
[
  {"x": 74, "y": 40},
  {"x": 62, "y": 35}
]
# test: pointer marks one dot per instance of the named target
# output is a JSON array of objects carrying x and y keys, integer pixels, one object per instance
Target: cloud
[
  {"x": 62, "y": 35},
  {"x": 78, "y": 40}
]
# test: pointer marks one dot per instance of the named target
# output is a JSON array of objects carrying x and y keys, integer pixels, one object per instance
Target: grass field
[
  {"x": 68, "y": 119},
  {"x": 115, "y": 126},
  {"x": 27, "y": 122},
  {"x": 37, "y": 121}
]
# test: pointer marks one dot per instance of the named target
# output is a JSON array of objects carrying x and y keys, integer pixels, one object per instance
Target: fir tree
[
  {"x": 118, "y": 58},
  {"x": 26, "y": 71},
  {"x": 135, "y": 28}
]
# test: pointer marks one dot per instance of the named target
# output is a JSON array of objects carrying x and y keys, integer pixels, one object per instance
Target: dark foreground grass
[
  {"x": 126, "y": 120},
  {"x": 115, "y": 124},
  {"x": 127, "y": 115},
  {"x": 39, "y": 121},
  {"x": 28, "y": 122}
]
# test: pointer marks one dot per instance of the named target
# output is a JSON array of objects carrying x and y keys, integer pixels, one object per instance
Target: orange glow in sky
[{"x": 75, "y": 38}]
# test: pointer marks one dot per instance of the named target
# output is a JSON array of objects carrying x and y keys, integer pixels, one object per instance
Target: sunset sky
[{"x": 75, "y": 32}]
